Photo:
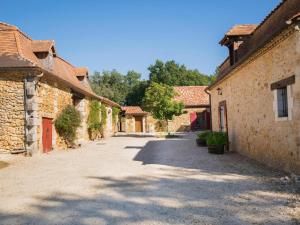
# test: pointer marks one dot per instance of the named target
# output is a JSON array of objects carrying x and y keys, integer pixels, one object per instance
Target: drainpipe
[{"x": 209, "y": 94}]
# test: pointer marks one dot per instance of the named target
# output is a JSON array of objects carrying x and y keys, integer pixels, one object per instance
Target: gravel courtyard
[{"x": 143, "y": 180}]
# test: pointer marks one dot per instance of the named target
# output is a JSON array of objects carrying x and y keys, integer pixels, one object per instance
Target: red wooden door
[
  {"x": 193, "y": 120},
  {"x": 47, "y": 135}
]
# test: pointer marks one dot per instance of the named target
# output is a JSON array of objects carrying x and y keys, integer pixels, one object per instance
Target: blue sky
[{"x": 132, "y": 34}]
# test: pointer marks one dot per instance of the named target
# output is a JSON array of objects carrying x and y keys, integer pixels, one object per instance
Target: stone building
[
  {"x": 256, "y": 97},
  {"x": 133, "y": 119},
  {"x": 35, "y": 86},
  {"x": 196, "y": 114}
]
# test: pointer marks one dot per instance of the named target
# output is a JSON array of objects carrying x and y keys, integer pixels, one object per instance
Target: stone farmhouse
[
  {"x": 196, "y": 114},
  {"x": 35, "y": 86},
  {"x": 133, "y": 119},
  {"x": 256, "y": 97}
]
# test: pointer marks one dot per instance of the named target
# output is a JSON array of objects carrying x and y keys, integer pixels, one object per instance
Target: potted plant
[
  {"x": 201, "y": 138},
  {"x": 216, "y": 142}
]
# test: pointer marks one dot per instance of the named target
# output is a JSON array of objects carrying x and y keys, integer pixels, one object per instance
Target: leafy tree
[
  {"x": 132, "y": 78},
  {"x": 159, "y": 100},
  {"x": 137, "y": 93},
  {"x": 174, "y": 74},
  {"x": 114, "y": 85},
  {"x": 110, "y": 84}
]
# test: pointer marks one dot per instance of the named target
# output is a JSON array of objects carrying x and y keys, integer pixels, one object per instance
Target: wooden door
[
  {"x": 193, "y": 120},
  {"x": 47, "y": 135},
  {"x": 139, "y": 124}
]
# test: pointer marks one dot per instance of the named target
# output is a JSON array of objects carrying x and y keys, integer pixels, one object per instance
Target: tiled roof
[
  {"x": 17, "y": 51},
  {"x": 285, "y": 13},
  {"x": 133, "y": 110},
  {"x": 42, "y": 45},
  {"x": 81, "y": 71},
  {"x": 192, "y": 95},
  {"x": 241, "y": 29}
]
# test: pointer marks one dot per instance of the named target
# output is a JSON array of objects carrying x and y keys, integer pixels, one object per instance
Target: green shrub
[
  {"x": 67, "y": 123},
  {"x": 217, "y": 138},
  {"x": 203, "y": 135},
  {"x": 103, "y": 115},
  {"x": 115, "y": 113},
  {"x": 94, "y": 125}
]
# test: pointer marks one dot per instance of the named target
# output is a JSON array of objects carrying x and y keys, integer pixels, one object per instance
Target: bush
[
  {"x": 67, "y": 123},
  {"x": 115, "y": 113},
  {"x": 217, "y": 138},
  {"x": 203, "y": 135},
  {"x": 94, "y": 125},
  {"x": 103, "y": 115}
]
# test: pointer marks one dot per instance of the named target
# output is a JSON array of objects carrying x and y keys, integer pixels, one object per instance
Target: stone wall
[
  {"x": 52, "y": 99},
  {"x": 83, "y": 106},
  {"x": 252, "y": 127},
  {"x": 183, "y": 123},
  {"x": 12, "y": 117},
  {"x": 130, "y": 124}
]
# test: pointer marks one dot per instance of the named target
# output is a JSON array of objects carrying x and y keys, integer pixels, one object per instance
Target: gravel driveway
[{"x": 143, "y": 180}]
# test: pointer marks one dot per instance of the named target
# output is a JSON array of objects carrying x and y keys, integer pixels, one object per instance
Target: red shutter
[{"x": 193, "y": 120}]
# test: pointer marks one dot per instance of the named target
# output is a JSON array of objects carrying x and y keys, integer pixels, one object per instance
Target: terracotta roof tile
[
  {"x": 192, "y": 95},
  {"x": 241, "y": 29},
  {"x": 42, "y": 45},
  {"x": 81, "y": 71},
  {"x": 133, "y": 110}
]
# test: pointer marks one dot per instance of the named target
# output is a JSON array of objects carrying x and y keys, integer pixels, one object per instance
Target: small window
[{"x": 282, "y": 102}]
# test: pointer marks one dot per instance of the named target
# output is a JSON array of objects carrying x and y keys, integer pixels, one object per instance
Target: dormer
[
  {"x": 235, "y": 37},
  {"x": 44, "y": 50},
  {"x": 81, "y": 73}
]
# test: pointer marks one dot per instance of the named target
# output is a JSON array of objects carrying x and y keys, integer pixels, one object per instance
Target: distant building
[
  {"x": 133, "y": 119},
  {"x": 35, "y": 86},
  {"x": 256, "y": 97},
  {"x": 196, "y": 114}
]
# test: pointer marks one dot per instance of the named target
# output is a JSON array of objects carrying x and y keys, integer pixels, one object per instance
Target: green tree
[
  {"x": 116, "y": 86},
  {"x": 110, "y": 84},
  {"x": 137, "y": 93},
  {"x": 159, "y": 100},
  {"x": 174, "y": 74}
]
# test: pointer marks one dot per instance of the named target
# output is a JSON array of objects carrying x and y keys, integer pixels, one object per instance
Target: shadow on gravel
[
  {"x": 3, "y": 164},
  {"x": 159, "y": 200},
  {"x": 184, "y": 153},
  {"x": 199, "y": 188}
]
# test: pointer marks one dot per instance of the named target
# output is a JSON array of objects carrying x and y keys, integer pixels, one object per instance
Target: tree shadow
[
  {"x": 3, "y": 164},
  {"x": 159, "y": 200}
]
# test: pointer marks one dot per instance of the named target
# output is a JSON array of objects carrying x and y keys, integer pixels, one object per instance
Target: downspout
[{"x": 210, "y": 118}]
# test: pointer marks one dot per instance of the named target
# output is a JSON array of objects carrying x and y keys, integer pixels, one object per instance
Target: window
[
  {"x": 282, "y": 102},
  {"x": 283, "y": 98}
]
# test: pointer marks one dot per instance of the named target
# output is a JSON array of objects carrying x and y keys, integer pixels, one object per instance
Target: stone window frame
[{"x": 289, "y": 104}]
